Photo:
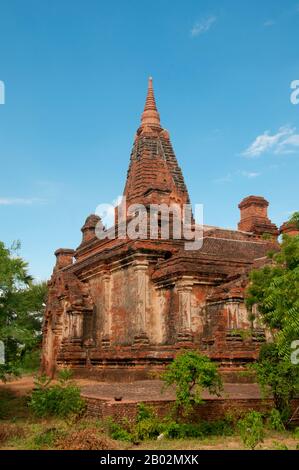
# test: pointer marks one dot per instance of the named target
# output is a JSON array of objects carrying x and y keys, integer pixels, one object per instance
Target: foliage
[
  {"x": 280, "y": 446},
  {"x": 200, "y": 430},
  {"x": 148, "y": 425},
  {"x": 277, "y": 376},
  {"x": 62, "y": 399},
  {"x": 274, "y": 289},
  {"x": 12, "y": 406},
  {"x": 148, "y": 428},
  {"x": 119, "y": 432},
  {"x": 144, "y": 412},
  {"x": 295, "y": 219},
  {"x": 191, "y": 372},
  {"x": 48, "y": 438},
  {"x": 30, "y": 361},
  {"x": 274, "y": 421},
  {"x": 251, "y": 429},
  {"x": 21, "y": 310}
]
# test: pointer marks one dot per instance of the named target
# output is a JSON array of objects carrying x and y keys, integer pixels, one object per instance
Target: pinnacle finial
[{"x": 150, "y": 116}]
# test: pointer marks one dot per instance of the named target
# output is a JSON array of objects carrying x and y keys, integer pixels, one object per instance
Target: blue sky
[{"x": 75, "y": 75}]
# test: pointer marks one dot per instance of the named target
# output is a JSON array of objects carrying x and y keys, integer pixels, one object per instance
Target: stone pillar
[
  {"x": 141, "y": 269},
  {"x": 106, "y": 311},
  {"x": 184, "y": 289}
]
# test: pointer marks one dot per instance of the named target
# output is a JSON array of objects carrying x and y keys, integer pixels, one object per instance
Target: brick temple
[{"x": 119, "y": 309}]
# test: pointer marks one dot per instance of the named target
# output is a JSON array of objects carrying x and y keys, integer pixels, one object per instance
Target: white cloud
[
  {"x": 286, "y": 140},
  {"x": 202, "y": 26},
  {"x": 288, "y": 145},
  {"x": 269, "y": 23},
  {"x": 230, "y": 176},
  {"x": 15, "y": 201},
  {"x": 250, "y": 174}
]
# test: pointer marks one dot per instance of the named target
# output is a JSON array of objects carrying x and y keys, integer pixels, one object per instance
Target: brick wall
[{"x": 210, "y": 410}]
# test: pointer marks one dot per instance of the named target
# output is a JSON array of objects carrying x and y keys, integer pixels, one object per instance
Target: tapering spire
[
  {"x": 150, "y": 116},
  {"x": 154, "y": 175}
]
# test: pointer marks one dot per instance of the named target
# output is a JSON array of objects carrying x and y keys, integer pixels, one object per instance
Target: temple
[{"x": 121, "y": 308}]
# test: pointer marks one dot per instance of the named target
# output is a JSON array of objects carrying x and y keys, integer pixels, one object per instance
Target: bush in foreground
[
  {"x": 191, "y": 373},
  {"x": 148, "y": 426},
  {"x": 251, "y": 429},
  {"x": 62, "y": 399}
]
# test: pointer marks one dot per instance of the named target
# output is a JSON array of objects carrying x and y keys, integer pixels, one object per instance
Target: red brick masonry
[
  {"x": 120, "y": 309},
  {"x": 236, "y": 398}
]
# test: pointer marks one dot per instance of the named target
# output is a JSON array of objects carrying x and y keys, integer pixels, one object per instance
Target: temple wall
[
  {"x": 127, "y": 303},
  {"x": 120, "y": 320}
]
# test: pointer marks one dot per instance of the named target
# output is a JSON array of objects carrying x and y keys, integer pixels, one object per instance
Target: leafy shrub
[
  {"x": 62, "y": 399},
  {"x": 222, "y": 427},
  {"x": 251, "y": 429},
  {"x": 176, "y": 430},
  {"x": 148, "y": 428},
  {"x": 144, "y": 412},
  {"x": 277, "y": 376},
  {"x": 119, "y": 432},
  {"x": 148, "y": 425},
  {"x": 274, "y": 420},
  {"x": 200, "y": 430},
  {"x": 191, "y": 372}
]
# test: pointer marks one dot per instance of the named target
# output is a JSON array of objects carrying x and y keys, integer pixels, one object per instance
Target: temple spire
[{"x": 150, "y": 116}]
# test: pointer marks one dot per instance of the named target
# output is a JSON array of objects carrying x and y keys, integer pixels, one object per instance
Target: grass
[
  {"x": 54, "y": 434},
  {"x": 12, "y": 406},
  {"x": 273, "y": 441}
]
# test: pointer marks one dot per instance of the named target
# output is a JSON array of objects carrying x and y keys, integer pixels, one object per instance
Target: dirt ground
[{"x": 142, "y": 390}]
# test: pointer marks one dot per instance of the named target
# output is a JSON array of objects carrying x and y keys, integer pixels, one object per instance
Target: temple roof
[{"x": 154, "y": 175}]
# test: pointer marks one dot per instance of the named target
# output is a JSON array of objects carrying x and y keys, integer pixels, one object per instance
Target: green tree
[
  {"x": 277, "y": 376},
  {"x": 21, "y": 309},
  {"x": 275, "y": 291},
  {"x": 191, "y": 373}
]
